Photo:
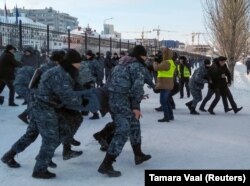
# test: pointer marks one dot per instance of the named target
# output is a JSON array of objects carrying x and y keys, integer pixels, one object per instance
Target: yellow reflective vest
[
  {"x": 169, "y": 73},
  {"x": 186, "y": 72}
]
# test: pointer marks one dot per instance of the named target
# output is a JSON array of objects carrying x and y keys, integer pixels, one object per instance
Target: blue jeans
[{"x": 164, "y": 100}]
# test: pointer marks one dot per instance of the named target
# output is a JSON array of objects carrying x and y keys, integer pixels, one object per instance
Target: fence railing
[{"x": 46, "y": 39}]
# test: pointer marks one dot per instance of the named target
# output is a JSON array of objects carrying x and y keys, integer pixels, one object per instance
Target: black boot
[
  {"x": 189, "y": 104},
  {"x": 140, "y": 157},
  {"x": 164, "y": 119},
  {"x": 95, "y": 116},
  {"x": 228, "y": 110},
  {"x": 102, "y": 141},
  {"x": 68, "y": 153},
  {"x": 44, "y": 174},
  {"x": 105, "y": 135},
  {"x": 19, "y": 97},
  {"x": 159, "y": 109},
  {"x": 202, "y": 109},
  {"x": 107, "y": 168},
  {"x": 236, "y": 110},
  {"x": 51, "y": 164},
  {"x": 24, "y": 103},
  {"x": 211, "y": 111},
  {"x": 8, "y": 158},
  {"x": 13, "y": 104},
  {"x": 75, "y": 142},
  {"x": 1, "y": 100},
  {"x": 24, "y": 117},
  {"x": 193, "y": 111}
]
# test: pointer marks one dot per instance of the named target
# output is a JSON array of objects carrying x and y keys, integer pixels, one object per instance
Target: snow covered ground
[{"x": 189, "y": 142}]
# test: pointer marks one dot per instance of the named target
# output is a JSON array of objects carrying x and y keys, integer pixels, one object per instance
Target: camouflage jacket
[
  {"x": 85, "y": 75},
  {"x": 199, "y": 78},
  {"x": 128, "y": 78},
  {"x": 56, "y": 88},
  {"x": 22, "y": 79}
]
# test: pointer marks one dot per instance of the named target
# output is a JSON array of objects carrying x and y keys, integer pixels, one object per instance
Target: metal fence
[{"x": 46, "y": 39}]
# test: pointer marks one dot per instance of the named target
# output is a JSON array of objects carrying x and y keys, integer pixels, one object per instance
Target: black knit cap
[
  {"x": 183, "y": 58},
  {"x": 73, "y": 56},
  {"x": 215, "y": 60},
  {"x": 57, "y": 55},
  {"x": 207, "y": 62},
  {"x": 9, "y": 47},
  {"x": 222, "y": 58},
  {"x": 89, "y": 53},
  {"x": 139, "y": 50}
]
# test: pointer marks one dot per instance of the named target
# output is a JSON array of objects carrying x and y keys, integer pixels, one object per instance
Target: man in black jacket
[
  {"x": 184, "y": 70},
  {"x": 221, "y": 78},
  {"x": 7, "y": 71}
]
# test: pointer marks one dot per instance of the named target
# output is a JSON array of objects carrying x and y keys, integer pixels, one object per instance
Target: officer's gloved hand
[{"x": 85, "y": 101}]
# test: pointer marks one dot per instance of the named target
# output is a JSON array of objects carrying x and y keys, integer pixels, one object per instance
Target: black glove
[
  {"x": 157, "y": 91},
  {"x": 85, "y": 101}
]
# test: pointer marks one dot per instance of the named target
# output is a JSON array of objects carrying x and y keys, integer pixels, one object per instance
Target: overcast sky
[{"x": 181, "y": 16}]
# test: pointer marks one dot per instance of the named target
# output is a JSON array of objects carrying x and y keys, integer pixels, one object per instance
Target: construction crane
[
  {"x": 158, "y": 30},
  {"x": 198, "y": 35},
  {"x": 142, "y": 34}
]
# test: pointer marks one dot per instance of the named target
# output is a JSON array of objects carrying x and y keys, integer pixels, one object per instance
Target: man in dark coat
[
  {"x": 222, "y": 80},
  {"x": 7, "y": 71},
  {"x": 211, "y": 88},
  {"x": 30, "y": 58}
]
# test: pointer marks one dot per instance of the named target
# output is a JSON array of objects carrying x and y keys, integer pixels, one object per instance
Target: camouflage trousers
[
  {"x": 197, "y": 96},
  {"x": 126, "y": 125},
  {"x": 54, "y": 128},
  {"x": 69, "y": 122}
]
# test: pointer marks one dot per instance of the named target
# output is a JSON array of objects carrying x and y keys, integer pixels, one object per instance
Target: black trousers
[
  {"x": 9, "y": 84},
  {"x": 210, "y": 93},
  {"x": 216, "y": 98},
  {"x": 184, "y": 82},
  {"x": 227, "y": 95}
]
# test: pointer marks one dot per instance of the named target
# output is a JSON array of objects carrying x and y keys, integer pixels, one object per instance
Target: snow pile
[{"x": 241, "y": 79}]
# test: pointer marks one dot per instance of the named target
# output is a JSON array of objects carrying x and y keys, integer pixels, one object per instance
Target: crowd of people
[{"x": 59, "y": 91}]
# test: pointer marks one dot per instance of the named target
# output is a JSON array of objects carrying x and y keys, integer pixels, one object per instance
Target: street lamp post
[
  {"x": 104, "y": 22},
  {"x": 105, "y": 29},
  {"x": 68, "y": 29}
]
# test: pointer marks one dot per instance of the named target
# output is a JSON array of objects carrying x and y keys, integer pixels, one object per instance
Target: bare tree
[{"x": 228, "y": 23}]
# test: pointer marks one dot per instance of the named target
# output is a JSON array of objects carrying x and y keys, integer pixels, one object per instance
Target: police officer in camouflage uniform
[
  {"x": 97, "y": 72},
  {"x": 27, "y": 91},
  {"x": 69, "y": 121},
  {"x": 125, "y": 94},
  {"x": 56, "y": 91},
  {"x": 196, "y": 84},
  {"x": 21, "y": 84},
  {"x": 30, "y": 58},
  {"x": 105, "y": 135},
  {"x": 100, "y": 63}
]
